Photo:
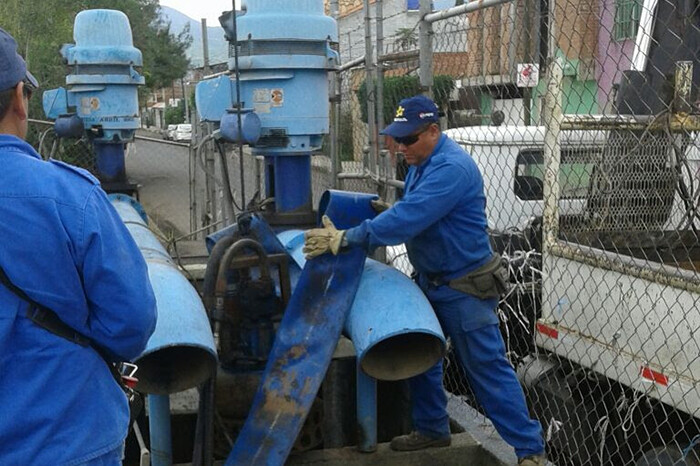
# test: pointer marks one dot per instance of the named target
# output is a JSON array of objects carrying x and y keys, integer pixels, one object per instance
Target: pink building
[{"x": 616, "y": 37}]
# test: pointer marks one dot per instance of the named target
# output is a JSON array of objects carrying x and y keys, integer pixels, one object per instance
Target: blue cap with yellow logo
[{"x": 412, "y": 114}]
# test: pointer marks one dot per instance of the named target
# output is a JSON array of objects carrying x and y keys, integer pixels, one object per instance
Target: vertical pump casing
[
  {"x": 101, "y": 98},
  {"x": 102, "y": 90},
  {"x": 284, "y": 55}
]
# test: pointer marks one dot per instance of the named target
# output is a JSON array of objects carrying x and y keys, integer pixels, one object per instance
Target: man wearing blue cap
[
  {"x": 73, "y": 280},
  {"x": 442, "y": 220}
]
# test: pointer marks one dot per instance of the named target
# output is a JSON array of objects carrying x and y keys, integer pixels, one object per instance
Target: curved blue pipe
[
  {"x": 348, "y": 209},
  {"x": 181, "y": 353},
  {"x": 391, "y": 323}
]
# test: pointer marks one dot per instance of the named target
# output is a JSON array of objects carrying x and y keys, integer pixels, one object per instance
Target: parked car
[
  {"x": 169, "y": 132},
  {"x": 183, "y": 133}
]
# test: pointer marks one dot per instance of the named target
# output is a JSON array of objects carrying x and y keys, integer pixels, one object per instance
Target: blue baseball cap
[
  {"x": 13, "y": 68},
  {"x": 412, "y": 114}
]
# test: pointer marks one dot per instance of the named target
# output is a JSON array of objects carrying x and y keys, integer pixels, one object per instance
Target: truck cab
[{"x": 511, "y": 160}]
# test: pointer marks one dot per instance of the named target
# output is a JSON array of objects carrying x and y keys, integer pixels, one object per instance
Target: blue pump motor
[
  {"x": 102, "y": 91},
  {"x": 284, "y": 55}
]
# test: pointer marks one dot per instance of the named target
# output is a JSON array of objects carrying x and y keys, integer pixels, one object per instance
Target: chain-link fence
[
  {"x": 583, "y": 118},
  {"x": 159, "y": 170}
]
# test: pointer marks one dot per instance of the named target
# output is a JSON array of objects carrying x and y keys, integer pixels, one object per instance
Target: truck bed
[
  {"x": 672, "y": 248},
  {"x": 627, "y": 305}
]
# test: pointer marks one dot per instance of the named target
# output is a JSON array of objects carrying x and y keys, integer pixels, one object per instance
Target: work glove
[
  {"x": 380, "y": 205},
  {"x": 319, "y": 241}
]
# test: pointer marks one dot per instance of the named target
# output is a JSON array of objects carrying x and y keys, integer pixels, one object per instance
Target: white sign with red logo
[{"x": 528, "y": 75}]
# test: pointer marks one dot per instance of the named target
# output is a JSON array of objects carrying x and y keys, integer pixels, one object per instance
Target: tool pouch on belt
[
  {"x": 488, "y": 281},
  {"x": 49, "y": 320}
]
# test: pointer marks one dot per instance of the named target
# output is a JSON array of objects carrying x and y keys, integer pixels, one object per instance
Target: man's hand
[
  {"x": 380, "y": 205},
  {"x": 319, "y": 241}
]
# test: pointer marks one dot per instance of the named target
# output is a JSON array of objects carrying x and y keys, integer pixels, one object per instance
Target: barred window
[{"x": 627, "y": 13}]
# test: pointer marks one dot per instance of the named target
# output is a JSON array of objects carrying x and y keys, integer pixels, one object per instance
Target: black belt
[{"x": 436, "y": 279}]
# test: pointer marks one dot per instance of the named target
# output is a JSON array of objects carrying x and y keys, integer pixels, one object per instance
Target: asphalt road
[
  {"x": 162, "y": 172},
  {"x": 161, "y": 169}
]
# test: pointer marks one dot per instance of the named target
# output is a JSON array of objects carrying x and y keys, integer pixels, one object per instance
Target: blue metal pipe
[
  {"x": 366, "y": 412},
  {"x": 110, "y": 161},
  {"x": 392, "y": 326},
  {"x": 181, "y": 353},
  {"x": 159, "y": 425},
  {"x": 347, "y": 209},
  {"x": 391, "y": 323}
]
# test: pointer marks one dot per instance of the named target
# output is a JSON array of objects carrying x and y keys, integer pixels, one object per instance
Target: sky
[
  {"x": 198, "y": 9},
  {"x": 211, "y": 9}
]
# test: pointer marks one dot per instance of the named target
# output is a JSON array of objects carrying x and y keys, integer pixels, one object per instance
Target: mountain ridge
[{"x": 218, "y": 46}]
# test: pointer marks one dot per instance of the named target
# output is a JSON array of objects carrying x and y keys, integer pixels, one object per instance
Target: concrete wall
[
  {"x": 450, "y": 35},
  {"x": 351, "y": 25}
]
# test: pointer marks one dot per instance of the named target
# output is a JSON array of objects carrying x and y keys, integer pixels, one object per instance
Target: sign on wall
[{"x": 528, "y": 75}]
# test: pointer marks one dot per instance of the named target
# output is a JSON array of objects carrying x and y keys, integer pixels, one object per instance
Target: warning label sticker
[
  {"x": 277, "y": 97},
  {"x": 89, "y": 105},
  {"x": 261, "y": 95}
]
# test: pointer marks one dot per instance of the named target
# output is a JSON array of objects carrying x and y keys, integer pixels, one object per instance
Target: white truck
[{"x": 604, "y": 326}]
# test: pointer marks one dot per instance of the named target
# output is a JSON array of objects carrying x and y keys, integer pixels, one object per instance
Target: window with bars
[{"x": 627, "y": 13}]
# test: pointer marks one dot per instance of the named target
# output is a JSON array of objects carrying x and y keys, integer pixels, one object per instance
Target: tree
[
  {"x": 175, "y": 115},
  {"x": 400, "y": 87},
  {"x": 406, "y": 38},
  {"x": 40, "y": 28}
]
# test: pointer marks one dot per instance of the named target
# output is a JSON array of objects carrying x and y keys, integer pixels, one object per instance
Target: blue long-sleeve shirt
[
  {"x": 441, "y": 216},
  {"x": 66, "y": 247}
]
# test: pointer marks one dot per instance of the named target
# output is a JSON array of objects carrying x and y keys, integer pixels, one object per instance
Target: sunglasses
[
  {"x": 411, "y": 138},
  {"x": 28, "y": 89}
]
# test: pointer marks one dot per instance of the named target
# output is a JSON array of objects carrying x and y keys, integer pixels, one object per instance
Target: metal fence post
[
  {"x": 552, "y": 113},
  {"x": 425, "y": 43},
  {"x": 335, "y": 111},
  {"x": 371, "y": 95},
  {"x": 210, "y": 163},
  {"x": 192, "y": 174},
  {"x": 379, "y": 70}
]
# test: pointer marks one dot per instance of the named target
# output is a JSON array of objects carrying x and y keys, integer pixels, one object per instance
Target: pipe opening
[
  {"x": 174, "y": 369},
  {"x": 403, "y": 356}
]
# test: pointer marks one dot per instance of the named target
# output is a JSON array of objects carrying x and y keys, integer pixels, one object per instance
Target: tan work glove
[
  {"x": 319, "y": 241},
  {"x": 380, "y": 205}
]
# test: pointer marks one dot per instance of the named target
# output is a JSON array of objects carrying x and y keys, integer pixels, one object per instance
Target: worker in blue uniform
[
  {"x": 442, "y": 220},
  {"x": 65, "y": 247}
]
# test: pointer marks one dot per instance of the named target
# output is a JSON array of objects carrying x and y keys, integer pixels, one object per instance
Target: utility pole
[
  {"x": 205, "y": 47},
  {"x": 185, "y": 98}
]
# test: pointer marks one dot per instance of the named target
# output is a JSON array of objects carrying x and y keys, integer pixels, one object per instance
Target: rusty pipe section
[{"x": 181, "y": 353}]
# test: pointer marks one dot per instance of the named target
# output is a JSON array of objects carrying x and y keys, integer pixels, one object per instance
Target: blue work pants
[
  {"x": 480, "y": 349},
  {"x": 111, "y": 458}
]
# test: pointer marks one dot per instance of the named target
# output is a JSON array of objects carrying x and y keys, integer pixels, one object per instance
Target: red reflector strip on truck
[
  {"x": 656, "y": 377},
  {"x": 548, "y": 331}
]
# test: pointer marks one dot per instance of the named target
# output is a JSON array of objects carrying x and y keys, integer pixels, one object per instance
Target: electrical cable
[
  {"x": 41, "y": 140},
  {"x": 225, "y": 176},
  {"x": 239, "y": 104}
]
